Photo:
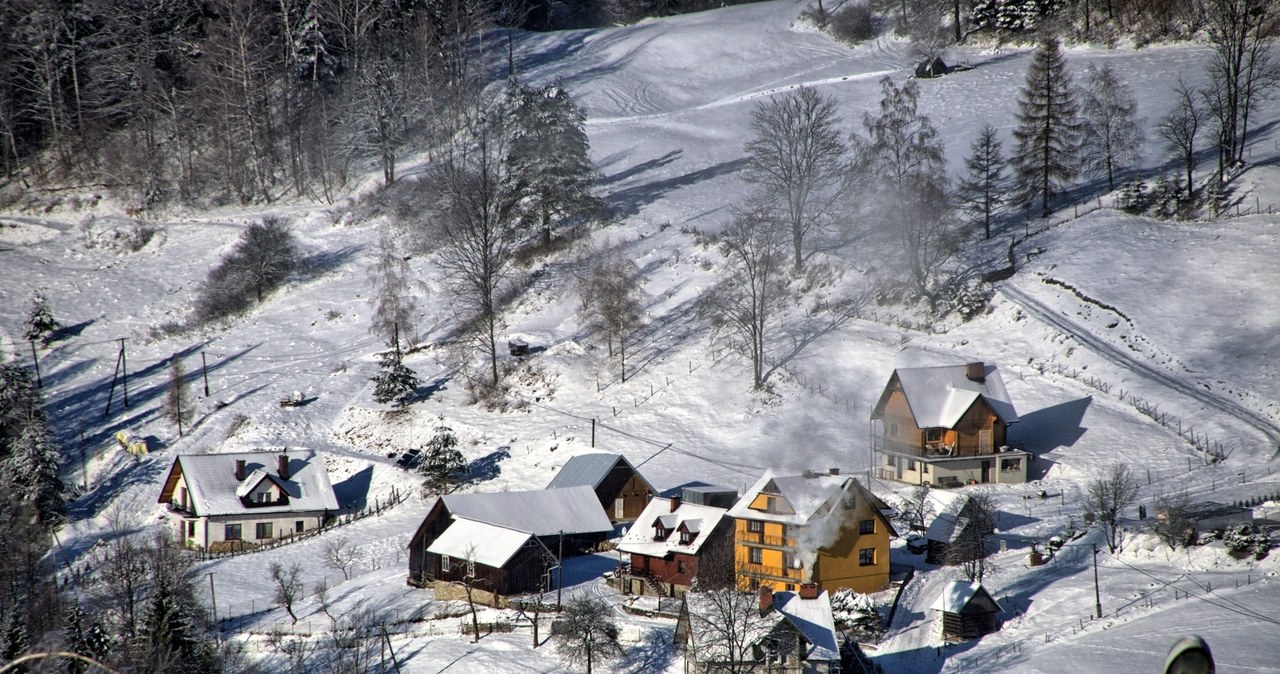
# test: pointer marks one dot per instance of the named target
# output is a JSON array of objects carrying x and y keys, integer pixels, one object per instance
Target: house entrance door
[{"x": 986, "y": 470}]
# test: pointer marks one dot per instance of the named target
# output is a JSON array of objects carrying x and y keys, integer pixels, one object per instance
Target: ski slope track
[{"x": 1117, "y": 356}]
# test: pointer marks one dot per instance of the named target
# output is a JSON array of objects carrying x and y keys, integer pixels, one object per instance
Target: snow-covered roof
[
  {"x": 957, "y": 594},
  {"x": 698, "y": 519},
  {"x": 542, "y": 512},
  {"x": 939, "y": 396},
  {"x": 479, "y": 542},
  {"x": 807, "y": 496},
  {"x": 946, "y": 501},
  {"x": 214, "y": 490},
  {"x": 812, "y": 617},
  {"x": 946, "y": 528},
  {"x": 588, "y": 469}
]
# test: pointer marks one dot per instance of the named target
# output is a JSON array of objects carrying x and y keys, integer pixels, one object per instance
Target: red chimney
[
  {"x": 976, "y": 371},
  {"x": 809, "y": 591},
  {"x": 283, "y": 466},
  {"x": 240, "y": 469},
  {"x": 675, "y": 503},
  {"x": 766, "y": 599}
]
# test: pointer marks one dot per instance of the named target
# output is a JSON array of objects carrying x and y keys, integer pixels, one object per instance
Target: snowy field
[{"x": 1114, "y": 312}]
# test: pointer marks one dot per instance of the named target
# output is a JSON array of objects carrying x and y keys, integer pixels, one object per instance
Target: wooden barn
[
  {"x": 968, "y": 611},
  {"x": 505, "y": 542},
  {"x": 622, "y": 490}
]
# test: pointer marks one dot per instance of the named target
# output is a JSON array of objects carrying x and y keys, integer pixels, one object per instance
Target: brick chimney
[
  {"x": 675, "y": 503},
  {"x": 766, "y": 599},
  {"x": 976, "y": 371},
  {"x": 283, "y": 466},
  {"x": 809, "y": 591},
  {"x": 240, "y": 470}
]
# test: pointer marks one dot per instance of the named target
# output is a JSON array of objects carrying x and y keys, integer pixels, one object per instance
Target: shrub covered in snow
[
  {"x": 1245, "y": 539},
  {"x": 857, "y": 612}
]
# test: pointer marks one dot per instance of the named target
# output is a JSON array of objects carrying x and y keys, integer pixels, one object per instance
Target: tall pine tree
[
  {"x": 177, "y": 403},
  {"x": 29, "y": 457},
  {"x": 982, "y": 188},
  {"x": 1049, "y": 127},
  {"x": 549, "y": 153}
]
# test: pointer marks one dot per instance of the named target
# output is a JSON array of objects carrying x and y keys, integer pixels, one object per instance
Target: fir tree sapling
[
  {"x": 983, "y": 186},
  {"x": 394, "y": 381},
  {"x": 442, "y": 463},
  {"x": 40, "y": 324}
]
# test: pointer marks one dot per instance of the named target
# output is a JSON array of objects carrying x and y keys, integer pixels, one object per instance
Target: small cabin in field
[
  {"x": 946, "y": 426},
  {"x": 229, "y": 501},
  {"x": 968, "y": 611},
  {"x": 622, "y": 490}
]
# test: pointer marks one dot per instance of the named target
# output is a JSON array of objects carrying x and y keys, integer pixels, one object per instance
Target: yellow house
[{"x": 820, "y": 528}]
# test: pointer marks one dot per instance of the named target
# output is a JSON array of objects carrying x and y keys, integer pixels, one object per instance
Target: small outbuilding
[
  {"x": 968, "y": 611},
  {"x": 934, "y": 67},
  {"x": 622, "y": 490}
]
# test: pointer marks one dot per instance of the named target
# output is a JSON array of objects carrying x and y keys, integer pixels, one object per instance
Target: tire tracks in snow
[{"x": 1117, "y": 356}]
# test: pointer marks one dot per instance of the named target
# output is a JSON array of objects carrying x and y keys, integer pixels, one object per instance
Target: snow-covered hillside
[{"x": 1112, "y": 314}]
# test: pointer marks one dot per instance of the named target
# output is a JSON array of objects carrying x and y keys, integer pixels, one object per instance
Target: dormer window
[
  {"x": 261, "y": 497},
  {"x": 685, "y": 538},
  {"x": 660, "y": 533}
]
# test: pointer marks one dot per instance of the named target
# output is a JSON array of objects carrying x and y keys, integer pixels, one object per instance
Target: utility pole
[
  {"x": 84, "y": 467},
  {"x": 204, "y": 370},
  {"x": 387, "y": 641},
  {"x": 34, "y": 357},
  {"x": 213, "y": 601},
  {"x": 593, "y": 432},
  {"x": 560, "y": 572},
  {"x": 111, "y": 395},
  {"x": 1097, "y": 594},
  {"x": 124, "y": 372}
]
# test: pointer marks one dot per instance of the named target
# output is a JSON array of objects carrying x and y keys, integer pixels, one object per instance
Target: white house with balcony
[{"x": 228, "y": 500}]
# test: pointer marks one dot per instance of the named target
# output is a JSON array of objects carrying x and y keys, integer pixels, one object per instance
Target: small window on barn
[
  {"x": 1009, "y": 465},
  {"x": 299, "y": 526},
  {"x": 444, "y": 563},
  {"x": 867, "y": 557}
]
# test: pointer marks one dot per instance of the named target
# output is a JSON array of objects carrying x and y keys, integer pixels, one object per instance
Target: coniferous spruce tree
[
  {"x": 395, "y": 381},
  {"x": 177, "y": 404},
  {"x": 1048, "y": 131},
  {"x": 550, "y": 154},
  {"x": 443, "y": 464},
  {"x": 29, "y": 457},
  {"x": 983, "y": 186},
  {"x": 40, "y": 323}
]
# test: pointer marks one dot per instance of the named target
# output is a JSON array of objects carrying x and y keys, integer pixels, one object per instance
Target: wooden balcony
[
  {"x": 758, "y": 539},
  {"x": 770, "y": 572}
]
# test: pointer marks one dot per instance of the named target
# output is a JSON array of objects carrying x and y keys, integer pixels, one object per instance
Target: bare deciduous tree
[
  {"x": 588, "y": 634},
  {"x": 969, "y": 550},
  {"x": 1107, "y": 495},
  {"x": 743, "y": 304},
  {"x": 727, "y": 622},
  {"x": 1112, "y": 137},
  {"x": 796, "y": 156},
  {"x": 917, "y": 509},
  {"x": 1243, "y": 69},
  {"x": 1181, "y": 128},
  {"x": 288, "y": 585},
  {"x": 339, "y": 555},
  {"x": 476, "y": 210},
  {"x": 395, "y": 310},
  {"x": 611, "y": 299},
  {"x": 1173, "y": 522}
]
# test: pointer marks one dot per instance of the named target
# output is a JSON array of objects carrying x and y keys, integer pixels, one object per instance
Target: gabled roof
[
  {"x": 479, "y": 542},
  {"x": 810, "y": 497},
  {"x": 939, "y": 396},
  {"x": 946, "y": 528},
  {"x": 813, "y": 619},
  {"x": 958, "y": 593},
  {"x": 214, "y": 490},
  {"x": 698, "y": 519},
  {"x": 591, "y": 470},
  {"x": 572, "y": 510}
]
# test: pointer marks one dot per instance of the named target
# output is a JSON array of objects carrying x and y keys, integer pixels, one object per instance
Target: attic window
[
  {"x": 685, "y": 538},
  {"x": 660, "y": 533},
  {"x": 933, "y": 435}
]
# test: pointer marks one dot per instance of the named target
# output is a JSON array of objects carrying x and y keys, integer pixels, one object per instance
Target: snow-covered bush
[
  {"x": 969, "y": 299},
  {"x": 1133, "y": 197},
  {"x": 1014, "y": 15},
  {"x": 1245, "y": 539},
  {"x": 857, "y": 612},
  {"x": 853, "y": 23}
]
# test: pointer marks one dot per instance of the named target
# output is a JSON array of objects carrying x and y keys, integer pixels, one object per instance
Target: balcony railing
[
  {"x": 771, "y": 572},
  {"x": 758, "y": 538},
  {"x": 176, "y": 507}
]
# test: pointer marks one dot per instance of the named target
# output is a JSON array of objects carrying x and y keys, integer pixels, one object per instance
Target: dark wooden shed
[{"x": 968, "y": 611}]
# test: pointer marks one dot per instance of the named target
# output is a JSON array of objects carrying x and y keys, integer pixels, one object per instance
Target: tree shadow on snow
[
  {"x": 654, "y": 653},
  {"x": 353, "y": 492},
  {"x": 630, "y": 201},
  {"x": 488, "y": 466}
]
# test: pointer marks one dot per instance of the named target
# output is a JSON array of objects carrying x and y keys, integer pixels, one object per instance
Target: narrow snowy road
[{"x": 1118, "y": 356}]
